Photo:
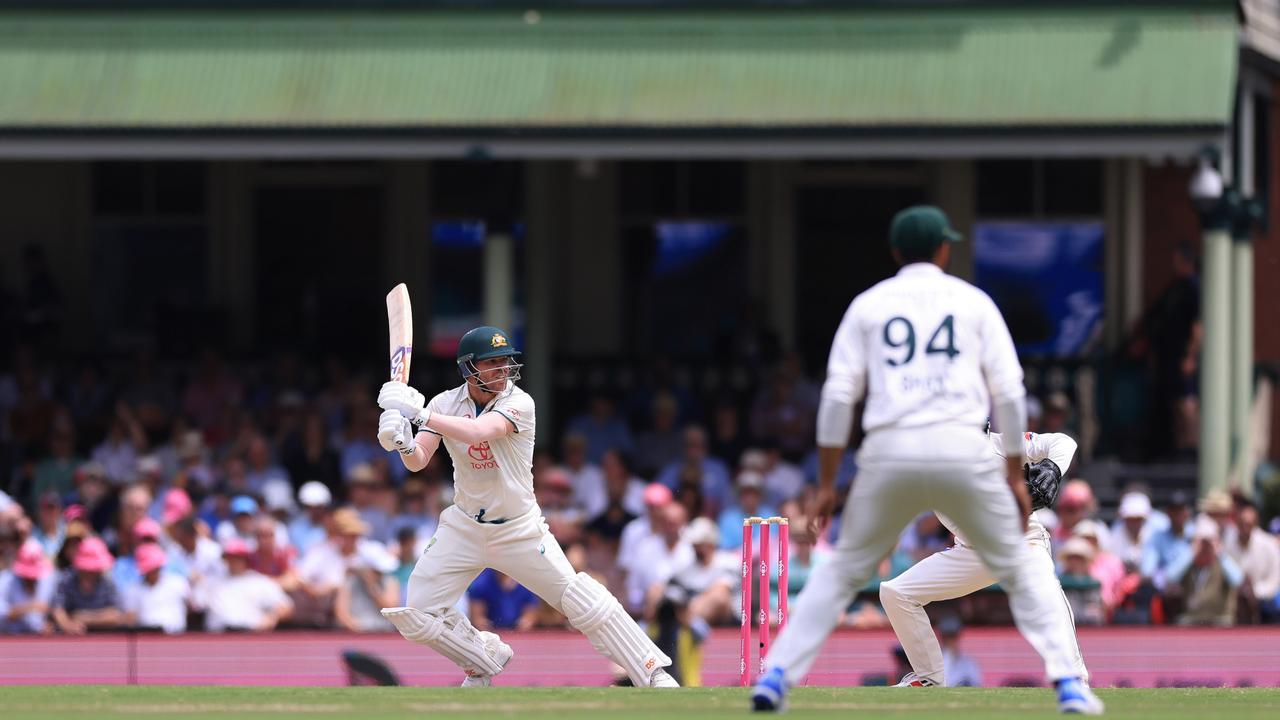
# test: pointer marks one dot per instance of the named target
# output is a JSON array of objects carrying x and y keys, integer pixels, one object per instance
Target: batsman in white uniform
[
  {"x": 933, "y": 354},
  {"x": 959, "y": 570},
  {"x": 487, "y": 426}
]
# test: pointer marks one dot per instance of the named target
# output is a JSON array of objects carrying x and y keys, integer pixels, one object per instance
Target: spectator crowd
[{"x": 232, "y": 500}]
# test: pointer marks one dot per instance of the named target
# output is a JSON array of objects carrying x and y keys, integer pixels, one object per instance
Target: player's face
[{"x": 491, "y": 374}]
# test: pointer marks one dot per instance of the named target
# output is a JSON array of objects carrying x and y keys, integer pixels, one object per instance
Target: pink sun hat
[
  {"x": 146, "y": 529},
  {"x": 31, "y": 564},
  {"x": 177, "y": 505},
  {"x": 149, "y": 557},
  {"x": 92, "y": 556}
]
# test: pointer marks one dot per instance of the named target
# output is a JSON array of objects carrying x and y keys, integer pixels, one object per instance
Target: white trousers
[
  {"x": 900, "y": 474},
  {"x": 956, "y": 572},
  {"x": 523, "y": 549}
]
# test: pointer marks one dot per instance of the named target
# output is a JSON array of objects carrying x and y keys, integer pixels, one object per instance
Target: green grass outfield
[{"x": 79, "y": 701}]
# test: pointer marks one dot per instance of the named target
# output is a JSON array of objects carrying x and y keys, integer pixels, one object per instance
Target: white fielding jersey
[
  {"x": 494, "y": 479},
  {"x": 1035, "y": 447},
  {"x": 928, "y": 348}
]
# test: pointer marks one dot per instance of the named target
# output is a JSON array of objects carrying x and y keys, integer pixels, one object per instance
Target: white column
[
  {"x": 1215, "y": 360},
  {"x": 499, "y": 275},
  {"x": 1242, "y": 308}
]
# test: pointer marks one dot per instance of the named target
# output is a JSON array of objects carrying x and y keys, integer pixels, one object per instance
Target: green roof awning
[{"x": 607, "y": 70}]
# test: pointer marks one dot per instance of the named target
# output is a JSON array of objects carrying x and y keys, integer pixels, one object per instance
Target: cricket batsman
[
  {"x": 487, "y": 427},
  {"x": 932, "y": 354},
  {"x": 958, "y": 570}
]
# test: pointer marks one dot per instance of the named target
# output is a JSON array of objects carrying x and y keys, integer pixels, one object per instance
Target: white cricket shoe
[
  {"x": 913, "y": 680},
  {"x": 499, "y": 651},
  {"x": 662, "y": 679}
]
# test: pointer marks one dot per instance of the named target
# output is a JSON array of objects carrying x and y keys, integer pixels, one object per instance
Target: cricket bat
[{"x": 400, "y": 322}]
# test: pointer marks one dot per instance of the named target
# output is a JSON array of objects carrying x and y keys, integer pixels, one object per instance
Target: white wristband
[{"x": 423, "y": 416}]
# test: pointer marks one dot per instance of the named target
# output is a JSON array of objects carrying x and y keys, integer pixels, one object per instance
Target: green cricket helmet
[{"x": 483, "y": 343}]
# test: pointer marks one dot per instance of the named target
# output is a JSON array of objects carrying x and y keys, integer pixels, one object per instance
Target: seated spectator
[
  {"x": 621, "y": 483},
  {"x": 1106, "y": 568},
  {"x": 408, "y": 550},
  {"x": 312, "y": 459},
  {"x": 611, "y": 522},
  {"x": 1169, "y": 547},
  {"x": 715, "y": 483},
  {"x": 277, "y": 501},
  {"x": 192, "y": 470},
  {"x": 363, "y": 488},
  {"x": 192, "y": 555},
  {"x": 750, "y": 504},
  {"x": 76, "y": 531},
  {"x": 783, "y": 481},
  {"x": 26, "y": 591},
  {"x": 270, "y": 559},
  {"x": 603, "y": 428},
  {"x": 160, "y": 599},
  {"x": 366, "y": 588},
  {"x": 419, "y": 509},
  {"x": 784, "y": 412},
  {"x": 498, "y": 602},
  {"x": 960, "y": 669},
  {"x": 660, "y": 556},
  {"x": 1218, "y": 506},
  {"x": 325, "y": 569},
  {"x": 242, "y": 599},
  {"x": 1083, "y": 591},
  {"x": 709, "y": 578},
  {"x": 1076, "y": 504},
  {"x": 307, "y": 530},
  {"x": 240, "y": 526},
  {"x": 1129, "y": 541},
  {"x": 176, "y": 506},
  {"x": 260, "y": 468},
  {"x": 1206, "y": 582},
  {"x": 727, "y": 437},
  {"x": 585, "y": 477},
  {"x": 660, "y": 444},
  {"x": 125, "y": 570},
  {"x": 49, "y": 526},
  {"x": 86, "y": 598},
  {"x": 634, "y": 535},
  {"x": 555, "y": 497},
  {"x": 1257, "y": 552},
  {"x": 805, "y": 556}
]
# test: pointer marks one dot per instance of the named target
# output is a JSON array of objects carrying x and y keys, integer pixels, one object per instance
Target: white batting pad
[
  {"x": 449, "y": 634},
  {"x": 597, "y": 614}
]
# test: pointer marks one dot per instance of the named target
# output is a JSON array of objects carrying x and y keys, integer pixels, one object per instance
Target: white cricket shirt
[
  {"x": 495, "y": 477},
  {"x": 928, "y": 348}
]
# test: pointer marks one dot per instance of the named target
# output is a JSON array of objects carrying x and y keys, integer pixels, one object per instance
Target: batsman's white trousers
[
  {"x": 956, "y": 572},
  {"x": 900, "y": 474},
  {"x": 522, "y": 548}
]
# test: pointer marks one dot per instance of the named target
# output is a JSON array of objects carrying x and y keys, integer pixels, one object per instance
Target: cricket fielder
[
  {"x": 958, "y": 570},
  {"x": 933, "y": 354},
  {"x": 487, "y": 427}
]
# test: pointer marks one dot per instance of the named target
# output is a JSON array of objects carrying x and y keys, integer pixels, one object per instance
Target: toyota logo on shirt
[{"x": 482, "y": 457}]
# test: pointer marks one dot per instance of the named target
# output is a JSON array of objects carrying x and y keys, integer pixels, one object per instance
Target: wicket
[{"x": 784, "y": 542}]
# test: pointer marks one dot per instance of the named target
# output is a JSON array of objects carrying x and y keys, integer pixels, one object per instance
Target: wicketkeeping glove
[{"x": 1044, "y": 480}]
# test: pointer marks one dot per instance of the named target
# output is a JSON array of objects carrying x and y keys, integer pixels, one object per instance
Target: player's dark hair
[{"x": 917, "y": 255}]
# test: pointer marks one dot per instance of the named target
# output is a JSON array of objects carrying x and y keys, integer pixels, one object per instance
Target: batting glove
[
  {"x": 395, "y": 395},
  {"x": 395, "y": 432}
]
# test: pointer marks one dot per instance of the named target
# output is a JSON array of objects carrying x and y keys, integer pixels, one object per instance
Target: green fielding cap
[{"x": 921, "y": 228}]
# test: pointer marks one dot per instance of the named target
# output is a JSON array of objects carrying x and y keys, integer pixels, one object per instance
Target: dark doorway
[
  {"x": 318, "y": 255},
  {"x": 842, "y": 248}
]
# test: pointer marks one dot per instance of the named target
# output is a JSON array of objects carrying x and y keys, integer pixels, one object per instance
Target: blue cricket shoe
[
  {"x": 1076, "y": 697},
  {"x": 770, "y": 693}
]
